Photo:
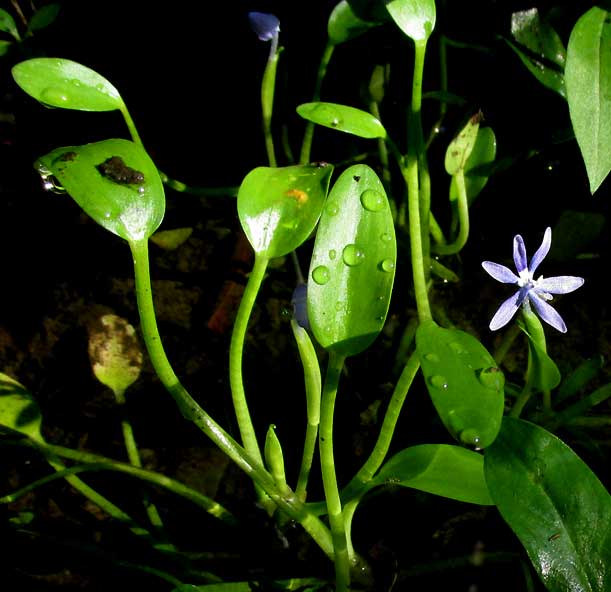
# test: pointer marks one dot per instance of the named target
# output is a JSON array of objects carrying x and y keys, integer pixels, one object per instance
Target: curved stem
[
  {"x": 329, "y": 479},
  {"x": 380, "y": 450},
  {"x": 463, "y": 219},
  {"x": 268, "y": 85},
  {"x": 308, "y": 135},
  {"x": 236, "y": 350},
  {"x": 131, "y": 126},
  {"x": 193, "y": 412}
]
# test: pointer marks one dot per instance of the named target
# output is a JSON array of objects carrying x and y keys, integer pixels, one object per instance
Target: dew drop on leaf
[
  {"x": 321, "y": 275},
  {"x": 372, "y": 200},
  {"x": 352, "y": 255},
  {"x": 387, "y": 265},
  {"x": 438, "y": 381}
]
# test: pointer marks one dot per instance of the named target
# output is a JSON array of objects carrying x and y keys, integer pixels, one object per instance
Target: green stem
[
  {"x": 308, "y": 135},
  {"x": 312, "y": 379},
  {"x": 521, "y": 401},
  {"x": 382, "y": 148},
  {"x": 380, "y": 450},
  {"x": 537, "y": 334},
  {"x": 192, "y": 411},
  {"x": 131, "y": 126},
  {"x": 463, "y": 219},
  {"x": 236, "y": 352},
  {"x": 198, "y": 191},
  {"x": 268, "y": 85},
  {"x": 506, "y": 342},
  {"x": 329, "y": 479},
  {"x": 417, "y": 226}
]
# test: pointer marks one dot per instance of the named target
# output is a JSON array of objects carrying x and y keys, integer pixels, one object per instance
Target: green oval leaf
[
  {"x": 43, "y": 17},
  {"x": 344, "y": 24},
  {"x": 588, "y": 86},
  {"x": 441, "y": 469},
  {"x": 18, "y": 409},
  {"x": 462, "y": 145},
  {"x": 279, "y": 207},
  {"x": 7, "y": 24},
  {"x": 114, "y": 181},
  {"x": 63, "y": 83},
  {"x": 353, "y": 263},
  {"x": 343, "y": 118},
  {"x": 477, "y": 167},
  {"x": 416, "y": 18},
  {"x": 555, "y": 505},
  {"x": 465, "y": 385},
  {"x": 540, "y": 48}
]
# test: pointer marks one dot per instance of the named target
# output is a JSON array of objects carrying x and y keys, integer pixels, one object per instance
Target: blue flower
[
  {"x": 266, "y": 26},
  {"x": 535, "y": 292}
]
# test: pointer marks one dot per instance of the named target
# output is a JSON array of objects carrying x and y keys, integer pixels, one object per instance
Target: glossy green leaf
[
  {"x": 465, "y": 385},
  {"x": 353, "y": 263},
  {"x": 476, "y": 167},
  {"x": 114, "y": 181},
  {"x": 588, "y": 86},
  {"x": 555, "y": 505},
  {"x": 548, "y": 76},
  {"x": 63, "y": 83},
  {"x": 416, "y": 18},
  {"x": 43, "y": 17},
  {"x": 343, "y": 118},
  {"x": 440, "y": 469},
  {"x": 7, "y": 24},
  {"x": 279, "y": 207},
  {"x": 5, "y": 46},
  {"x": 543, "y": 374},
  {"x": 545, "y": 55},
  {"x": 18, "y": 409},
  {"x": 345, "y": 25},
  {"x": 462, "y": 145}
]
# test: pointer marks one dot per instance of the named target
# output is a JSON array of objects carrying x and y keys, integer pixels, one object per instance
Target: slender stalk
[
  {"x": 236, "y": 349},
  {"x": 268, "y": 85},
  {"x": 507, "y": 341},
  {"x": 131, "y": 126},
  {"x": 537, "y": 334},
  {"x": 329, "y": 479},
  {"x": 312, "y": 379},
  {"x": 380, "y": 450},
  {"x": 308, "y": 135},
  {"x": 417, "y": 226},
  {"x": 192, "y": 411},
  {"x": 463, "y": 219}
]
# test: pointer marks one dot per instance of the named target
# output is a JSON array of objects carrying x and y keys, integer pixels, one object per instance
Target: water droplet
[
  {"x": 385, "y": 237},
  {"x": 141, "y": 189},
  {"x": 470, "y": 437},
  {"x": 339, "y": 306},
  {"x": 491, "y": 377},
  {"x": 53, "y": 96},
  {"x": 431, "y": 357},
  {"x": 332, "y": 254},
  {"x": 327, "y": 115},
  {"x": 352, "y": 255},
  {"x": 387, "y": 265},
  {"x": 321, "y": 275},
  {"x": 457, "y": 348},
  {"x": 372, "y": 200},
  {"x": 107, "y": 215},
  {"x": 332, "y": 209},
  {"x": 439, "y": 381},
  {"x": 75, "y": 82}
]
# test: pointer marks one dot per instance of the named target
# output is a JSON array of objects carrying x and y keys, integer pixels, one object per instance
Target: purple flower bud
[{"x": 265, "y": 25}]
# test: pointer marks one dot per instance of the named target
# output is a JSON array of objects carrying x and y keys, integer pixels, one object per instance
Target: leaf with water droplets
[
  {"x": 66, "y": 84},
  {"x": 343, "y": 118},
  {"x": 114, "y": 181},
  {"x": 555, "y": 505},
  {"x": 353, "y": 263},
  {"x": 464, "y": 383},
  {"x": 279, "y": 207}
]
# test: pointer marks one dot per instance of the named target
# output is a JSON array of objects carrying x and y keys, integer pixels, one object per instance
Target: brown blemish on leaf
[{"x": 115, "y": 169}]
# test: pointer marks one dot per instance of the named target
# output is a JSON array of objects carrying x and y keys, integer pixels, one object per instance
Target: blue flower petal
[
  {"x": 562, "y": 284},
  {"x": 500, "y": 272},
  {"x": 542, "y": 251},
  {"x": 509, "y": 308},
  {"x": 519, "y": 253},
  {"x": 546, "y": 312},
  {"x": 265, "y": 25}
]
